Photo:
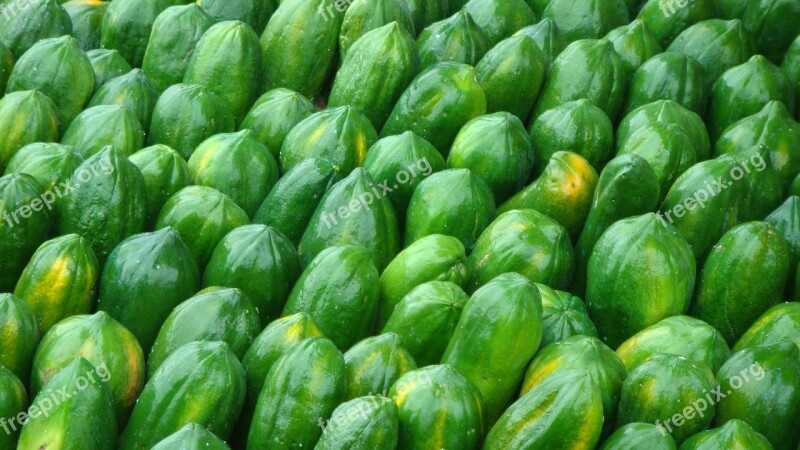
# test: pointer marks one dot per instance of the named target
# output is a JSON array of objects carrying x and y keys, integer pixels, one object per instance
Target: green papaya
[
  {"x": 500, "y": 19},
  {"x": 734, "y": 434},
  {"x": 49, "y": 163},
  {"x": 790, "y": 67},
  {"x": 165, "y": 173},
  {"x": 127, "y": 26},
  {"x": 635, "y": 436},
  {"x": 274, "y": 115},
  {"x": 13, "y": 400},
  {"x": 107, "y": 64},
  {"x": 634, "y": 43},
  {"x": 456, "y": 39},
  {"x": 6, "y": 65},
  {"x": 26, "y": 24},
  {"x": 192, "y": 437},
  {"x": 364, "y": 16},
  {"x": 764, "y": 189},
  {"x": 255, "y": 13},
  {"x": 105, "y": 125},
  {"x": 375, "y": 363},
  {"x": 778, "y": 324},
  {"x": 426, "y": 12},
  {"x": 771, "y": 23},
  {"x": 669, "y": 76},
  {"x": 666, "y": 20},
  {"x": 563, "y": 316},
  {"x": 364, "y": 423},
  {"x": 671, "y": 113},
  {"x": 132, "y": 90},
  {"x": 548, "y": 38},
  {"x": 587, "y": 19},
  {"x": 20, "y": 330},
  {"x": 87, "y": 18}
]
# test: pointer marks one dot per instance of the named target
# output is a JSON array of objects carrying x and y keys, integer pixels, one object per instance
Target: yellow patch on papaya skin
[{"x": 542, "y": 372}]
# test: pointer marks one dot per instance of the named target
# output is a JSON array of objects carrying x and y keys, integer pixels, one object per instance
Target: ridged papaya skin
[
  {"x": 342, "y": 135},
  {"x": 26, "y": 24},
  {"x": 660, "y": 388},
  {"x": 761, "y": 388},
  {"x": 668, "y": 21},
  {"x": 426, "y": 12},
  {"x": 377, "y": 69},
  {"x": 763, "y": 184},
  {"x": 770, "y": 23},
  {"x": 108, "y": 207},
  {"x": 778, "y": 324},
  {"x": 375, "y": 363},
  {"x": 99, "y": 126},
  {"x": 192, "y": 437},
  {"x": 654, "y": 279},
  {"x": 375, "y": 426},
  {"x": 107, "y": 64},
  {"x": 437, "y": 406},
  {"x": 6, "y": 65},
  {"x": 261, "y": 262},
  {"x": 339, "y": 290},
  {"x": 790, "y": 67},
  {"x": 548, "y": 38},
  {"x": 562, "y": 412},
  {"x": 168, "y": 401},
  {"x": 303, "y": 388},
  {"x": 563, "y": 316},
  {"x": 634, "y": 436},
  {"x": 20, "y": 330},
  {"x": 132, "y": 90},
  {"x": 500, "y": 19},
  {"x": 586, "y": 19},
  {"x": 449, "y": 86},
  {"x": 49, "y": 163},
  {"x": 634, "y": 43},
  {"x": 26, "y": 117},
  {"x": 202, "y": 216},
  {"x": 13, "y": 401},
  {"x": 127, "y": 26},
  {"x": 456, "y": 39},
  {"x": 274, "y": 115},
  {"x": 60, "y": 280},
  {"x": 523, "y": 241},
  {"x": 504, "y": 313},
  {"x": 165, "y": 172},
  {"x": 87, "y": 18},
  {"x": 26, "y": 224},
  {"x": 363, "y": 16},
  {"x": 255, "y": 13},
  {"x": 84, "y": 419},
  {"x": 426, "y": 318},
  {"x": 669, "y": 76},
  {"x": 130, "y": 281},
  {"x": 734, "y": 434},
  {"x": 102, "y": 341}
]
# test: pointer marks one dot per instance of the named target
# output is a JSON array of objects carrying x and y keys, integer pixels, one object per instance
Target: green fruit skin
[
  {"x": 763, "y": 183},
  {"x": 49, "y": 163},
  {"x": 175, "y": 35},
  {"x": 455, "y": 39},
  {"x": 641, "y": 271},
  {"x": 435, "y": 257},
  {"x": 374, "y": 427},
  {"x": 790, "y": 67},
  {"x": 228, "y": 61},
  {"x": 26, "y": 117},
  {"x": 562, "y": 412},
  {"x": 291, "y": 203},
  {"x": 744, "y": 275},
  {"x": 103, "y": 125},
  {"x": 107, "y": 64},
  {"x": 169, "y": 400},
  {"x": 635, "y": 436},
  {"x": 192, "y": 437},
  {"x": 563, "y": 316},
  {"x": 627, "y": 187},
  {"x": 60, "y": 280},
  {"x": 455, "y": 202},
  {"x": 238, "y": 165},
  {"x": 87, "y": 17},
  {"x": 770, "y": 23},
  {"x": 586, "y": 20},
  {"x": 340, "y": 219},
  {"x": 451, "y": 87},
  {"x": 769, "y": 401},
  {"x": 404, "y": 153},
  {"x": 165, "y": 172},
  {"x": 514, "y": 63},
  {"x": 202, "y": 216},
  {"x": 21, "y": 332},
  {"x": 25, "y": 25},
  {"x": 261, "y": 262},
  {"x": 500, "y": 19},
  {"x": 339, "y": 290},
  {"x": 127, "y": 26},
  {"x": 667, "y": 26},
  {"x": 635, "y": 44},
  {"x": 364, "y": 16},
  {"x": 13, "y": 400},
  {"x": 103, "y": 342},
  {"x": 85, "y": 419},
  {"x": 6, "y": 65},
  {"x": 376, "y": 71},
  {"x": 589, "y": 69},
  {"x": 109, "y": 207},
  {"x": 778, "y": 324},
  {"x": 523, "y": 241},
  {"x": 496, "y": 148},
  {"x": 581, "y": 352},
  {"x": 548, "y": 38},
  {"x": 341, "y": 135},
  {"x": 734, "y": 434},
  {"x": 255, "y": 13},
  {"x": 20, "y": 234},
  {"x": 143, "y": 267},
  {"x": 132, "y": 90},
  {"x": 186, "y": 115},
  {"x": 426, "y": 319},
  {"x": 274, "y": 115},
  {"x": 504, "y": 313},
  {"x": 438, "y": 407},
  {"x": 669, "y": 76},
  {"x": 660, "y": 388},
  {"x": 563, "y": 192},
  {"x": 375, "y": 363},
  {"x": 426, "y": 12},
  {"x": 283, "y": 43},
  {"x": 303, "y": 388}
]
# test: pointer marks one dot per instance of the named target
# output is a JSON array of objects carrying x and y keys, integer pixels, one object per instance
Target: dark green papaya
[
  {"x": 450, "y": 87},
  {"x": 563, "y": 316},
  {"x": 26, "y": 24},
  {"x": 342, "y": 135},
  {"x": 274, "y": 115},
  {"x": 562, "y": 412},
  {"x": 496, "y": 148},
  {"x": 635, "y": 436},
  {"x": 103, "y": 342},
  {"x": 133, "y": 91},
  {"x": 50, "y": 164},
  {"x": 504, "y": 313},
  {"x": 669, "y": 76},
  {"x": 588, "y": 19},
  {"x": 790, "y": 67},
  {"x": 364, "y": 16},
  {"x": 84, "y": 418},
  {"x": 548, "y": 38},
  {"x": 60, "y": 280},
  {"x": 426, "y": 12},
  {"x": 764, "y": 190},
  {"x": 426, "y": 318},
  {"x": 87, "y": 18},
  {"x": 339, "y": 290},
  {"x": 303, "y": 388},
  {"x": 437, "y": 406},
  {"x": 165, "y": 172},
  {"x": 169, "y": 400},
  {"x": 26, "y": 117},
  {"x": 255, "y": 13},
  {"x": 771, "y": 23},
  {"x": 376, "y": 70},
  {"x": 20, "y": 330},
  {"x": 107, "y": 64},
  {"x": 640, "y": 271},
  {"x": 261, "y": 262},
  {"x": 105, "y": 125},
  {"x": 734, "y": 434},
  {"x": 778, "y": 324},
  {"x": 6, "y": 65},
  {"x": 666, "y": 20},
  {"x": 634, "y": 43},
  {"x": 364, "y": 423},
  {"x": 500, "y": 19},
  {"x": 456, "y": 39},
  {"x": 186, "y": 115},
  {"x": 667, "y": 149},
  {"x": 192, "y": 437},
  {"x": 202, "y": 216},
  {"x": 375, "y": 363},
  {"x": 13, "y": 401},
  {"x": 127, "y": 26}
]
